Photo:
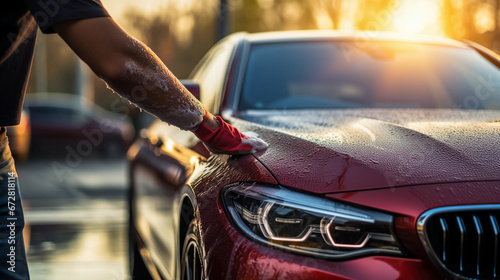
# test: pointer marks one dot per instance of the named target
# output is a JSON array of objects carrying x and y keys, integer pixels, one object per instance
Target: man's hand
[{"x": 223, "y": 138}]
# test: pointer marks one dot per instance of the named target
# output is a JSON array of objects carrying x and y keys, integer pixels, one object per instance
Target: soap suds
[
  {"x": 254, "y": 141},
  {"x": 158, "y": 92}
]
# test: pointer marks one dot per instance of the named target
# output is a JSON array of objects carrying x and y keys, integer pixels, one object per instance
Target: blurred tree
[
  {"x": 334, "y": 9},
  {"x": 449, "y": 16},
  {"x": 179, "y": 36},
  {"x": 376, "y": 15},
  {"x": 326, "y": 13},
  {"x": 153, "y": 30},
  {"x": 475, "y": 20},
  {"x": 271, "y": 15},
  {"x": 469, "y": 9},
  {"x": 60, "y": 70}
]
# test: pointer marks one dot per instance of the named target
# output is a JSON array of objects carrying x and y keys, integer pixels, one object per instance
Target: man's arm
[{"x": 132, "y": 70}]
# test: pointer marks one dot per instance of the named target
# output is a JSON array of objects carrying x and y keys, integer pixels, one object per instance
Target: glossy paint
[
  {"x": 326, "y": 151},
  {"x": 401, "y": 162},
  {"x": 165, "y": 174}
]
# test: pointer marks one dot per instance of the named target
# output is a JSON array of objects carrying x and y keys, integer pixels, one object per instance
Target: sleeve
[{"x": 49, "y": 12}]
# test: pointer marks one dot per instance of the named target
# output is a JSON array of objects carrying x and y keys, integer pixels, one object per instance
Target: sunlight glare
[
  {"x": 118, "y": 8},
  {"x": 418, "y": 17},
  {"x": 323, "y": 20}
]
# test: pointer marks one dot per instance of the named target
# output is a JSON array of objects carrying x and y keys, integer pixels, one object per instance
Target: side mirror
[{"x": 193, "y": 87}]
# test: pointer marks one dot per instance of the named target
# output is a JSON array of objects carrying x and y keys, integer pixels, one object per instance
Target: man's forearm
[
  {"x": 148, "y": 83},
  {"x": 132, "y": 70}
]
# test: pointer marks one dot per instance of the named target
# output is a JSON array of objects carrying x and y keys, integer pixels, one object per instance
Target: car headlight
[{"x": 308, "y": 224}]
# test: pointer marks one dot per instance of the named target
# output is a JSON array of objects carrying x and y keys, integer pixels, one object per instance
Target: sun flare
[{"x": 421, "y": 16}]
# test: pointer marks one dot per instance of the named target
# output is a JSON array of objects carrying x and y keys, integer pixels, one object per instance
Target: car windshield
[{"x": 315, "y": 75}]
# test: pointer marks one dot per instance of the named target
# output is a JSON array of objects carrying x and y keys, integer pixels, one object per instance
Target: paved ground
[{"x": 77, "y": 218}]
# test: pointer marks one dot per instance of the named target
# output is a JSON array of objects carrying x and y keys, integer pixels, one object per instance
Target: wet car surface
[{"x": 382, "y": 163}]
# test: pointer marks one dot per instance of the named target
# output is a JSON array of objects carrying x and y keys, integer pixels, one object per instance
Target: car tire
[{"x": 192, "y": 267}]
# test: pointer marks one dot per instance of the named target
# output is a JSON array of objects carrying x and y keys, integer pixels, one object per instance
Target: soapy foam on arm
[{"x": 150, "y": 85}]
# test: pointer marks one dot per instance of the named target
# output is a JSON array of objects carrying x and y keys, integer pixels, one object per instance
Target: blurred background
[
  {"x": 73, "y": 173},
  {"x": 181, "y": 31}
]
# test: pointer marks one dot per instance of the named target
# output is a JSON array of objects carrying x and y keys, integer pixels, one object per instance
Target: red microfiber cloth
[{"x": 227, "y": 139}]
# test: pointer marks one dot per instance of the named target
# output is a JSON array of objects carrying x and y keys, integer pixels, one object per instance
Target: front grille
[{"x": 463, "y": 241}]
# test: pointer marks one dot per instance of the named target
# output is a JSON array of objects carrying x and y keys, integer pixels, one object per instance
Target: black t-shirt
[{"x": 18, "y": 27}]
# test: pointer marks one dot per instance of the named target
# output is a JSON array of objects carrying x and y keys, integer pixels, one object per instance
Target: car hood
[{"x": 326, "y": 151}]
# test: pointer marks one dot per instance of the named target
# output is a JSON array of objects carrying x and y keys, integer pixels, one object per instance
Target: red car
[
  {"x": 383, "y": 163},
  {"x": 65, "y": 124}
]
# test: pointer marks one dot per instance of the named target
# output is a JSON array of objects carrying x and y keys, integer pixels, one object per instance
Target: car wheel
[{"x": 191, "y": 261}]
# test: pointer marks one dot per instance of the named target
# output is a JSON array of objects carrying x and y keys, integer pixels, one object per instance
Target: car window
[
  {"x": 211, "y": 76},
  {"x": 308, "y": 75}
]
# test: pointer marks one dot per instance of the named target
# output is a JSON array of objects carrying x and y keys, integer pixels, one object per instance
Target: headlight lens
[{"x": 307, "y": 224}]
